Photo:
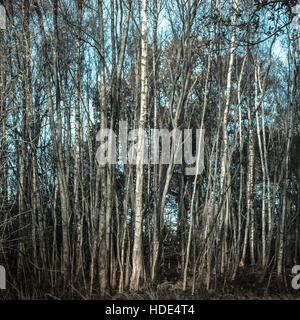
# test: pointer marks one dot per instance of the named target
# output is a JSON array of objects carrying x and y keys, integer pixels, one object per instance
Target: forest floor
[
  {"x": 247, "y": 285},
  {"x": 236, "y": 290}
]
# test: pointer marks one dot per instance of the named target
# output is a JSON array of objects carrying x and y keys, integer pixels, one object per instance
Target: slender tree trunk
[{"x": 137, "y": 255}]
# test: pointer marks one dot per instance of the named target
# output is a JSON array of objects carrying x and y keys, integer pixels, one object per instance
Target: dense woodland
[{"x": 71, "y": 228}]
